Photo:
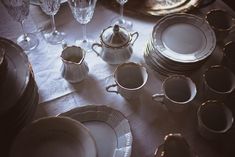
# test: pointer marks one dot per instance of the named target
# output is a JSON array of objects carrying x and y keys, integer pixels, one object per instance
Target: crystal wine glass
[
  {"x": 51, "y": 7},
  {"x": 120, "y": 20},
  {"x": 19, "y": 10},
  {"x": 83, "y": 11}
]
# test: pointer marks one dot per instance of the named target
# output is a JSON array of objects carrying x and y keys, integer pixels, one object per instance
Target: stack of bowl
[
  {"x": 18, "y": 91},
  {"x": 180, "y": 43}
]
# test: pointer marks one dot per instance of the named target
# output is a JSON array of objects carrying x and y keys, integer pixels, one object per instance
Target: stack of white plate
[
  {"x": 18, "y": 92},
  {"x": 180, "y": 43}
]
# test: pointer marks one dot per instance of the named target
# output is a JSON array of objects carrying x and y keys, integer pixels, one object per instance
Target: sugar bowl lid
[{"x": 115, "y": 36}]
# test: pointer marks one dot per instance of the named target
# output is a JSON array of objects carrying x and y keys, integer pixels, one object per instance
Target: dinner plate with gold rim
[{"x": 183, "y": 38}]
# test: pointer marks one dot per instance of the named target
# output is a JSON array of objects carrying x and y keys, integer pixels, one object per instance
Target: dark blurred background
[{"x": 230, "y": 3}]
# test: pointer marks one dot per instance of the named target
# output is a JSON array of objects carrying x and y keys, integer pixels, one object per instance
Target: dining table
[{"x": 150, "y": 121}]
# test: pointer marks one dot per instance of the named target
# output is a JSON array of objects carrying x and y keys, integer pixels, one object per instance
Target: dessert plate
[{"x": 109, "y": 127}]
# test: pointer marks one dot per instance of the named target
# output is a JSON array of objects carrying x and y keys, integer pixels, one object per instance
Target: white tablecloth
[{"x": 149, "y": 120}]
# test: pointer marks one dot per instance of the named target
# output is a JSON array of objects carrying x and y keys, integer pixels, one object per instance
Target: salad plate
[{"x": 109, "y": 127}]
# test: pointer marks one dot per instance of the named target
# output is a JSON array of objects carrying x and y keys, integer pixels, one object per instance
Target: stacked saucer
[
  {"x": 180, "y": 43},
  {"x": 18, "y": 92}
]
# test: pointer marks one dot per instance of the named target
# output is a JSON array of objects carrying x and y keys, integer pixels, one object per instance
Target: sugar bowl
[{"x": 116, "y": 44}]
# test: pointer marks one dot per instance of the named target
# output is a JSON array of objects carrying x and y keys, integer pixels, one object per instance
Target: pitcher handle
[
  {"x": 136, "y": 34},
  {"x": 158, "y": 97},
  {"x": 93, "y": 48},
  {"x": 111, "y": 86}
]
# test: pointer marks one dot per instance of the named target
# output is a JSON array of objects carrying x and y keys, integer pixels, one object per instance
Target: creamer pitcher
[{"x": 74, "y": 68}]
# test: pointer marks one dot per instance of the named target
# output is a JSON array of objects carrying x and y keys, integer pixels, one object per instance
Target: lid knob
[{"x": 116, "y": 29}]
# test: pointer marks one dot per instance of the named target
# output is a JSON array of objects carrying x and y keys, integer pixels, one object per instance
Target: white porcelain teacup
[
  {"x": 178, "y": 91},
  {"x": 221, "y": 22},
  {"x": 214, "y": 119},
  {"x": 130, "y": 79},
  {"x": 218, "y": 82}
]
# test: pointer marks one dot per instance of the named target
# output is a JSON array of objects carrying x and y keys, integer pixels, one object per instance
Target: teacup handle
[
  {"x": 93, "y": 48},
  {"x": 158, "y": 97},
  {"x": 111, "y": 86},
  {"x": 136, "y": 34}
]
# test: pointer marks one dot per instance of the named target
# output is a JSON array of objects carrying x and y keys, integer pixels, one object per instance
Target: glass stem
[
  {"x": 121, "y": 10},
  {"x": 53, "y": 24},
  {"x": 84, "y": 32},
  {"x": 23, "y": 30}
]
